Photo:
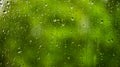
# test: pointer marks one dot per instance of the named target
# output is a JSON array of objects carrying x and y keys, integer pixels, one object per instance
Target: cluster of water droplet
[
  {"x": 4, "y": 6},
  {"x": 1, "y": 3}
]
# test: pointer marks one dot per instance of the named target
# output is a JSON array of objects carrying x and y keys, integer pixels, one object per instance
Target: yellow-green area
[{"x": 59, "y": 33}]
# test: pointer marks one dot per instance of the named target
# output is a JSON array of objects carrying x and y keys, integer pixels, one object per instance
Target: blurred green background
[{"x": 59, "y": 33}]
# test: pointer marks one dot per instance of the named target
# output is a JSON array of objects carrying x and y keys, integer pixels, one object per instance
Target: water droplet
[
  {"x": 105, "y": 1},
  {"x": 63, "y": 25},
  {"x": 46, "y": 5},
  {"x": 110, "y": 40},
  {"x": 101, "y": 54},
  {"x": 79, "y": 45},
  {"x": 57, "y": 45},
  {"x": 1, "y": 3},
  {"x": 101, "y": 22},
  {"x": 40, "y": 46},
  {"x": 113, "y": 54},
  {"x": 54, "y": 20},
  {"x": 0, "y": 63},
  {"x": 71, "y": 7},
  {"x": 101, "y": 59},
  {"x": 38, "y": 58},
  {"x": 7, "y": 62},
  {"x": 5, "y": 12},
  {"x": 65, "y": 63},
  {"x": 19, "y": 52},
  {"x": 30, "y": 41},
  {"x": 72, "y": 19},
  {"x": 19, "y": 48},
  {"x": 68, "y": 58},
  {"x": 65, "y": 46},
  {"x": 8, "y": 3},
  {"x": 73, "y": 42},
  {"x": 3, "y": 30}
]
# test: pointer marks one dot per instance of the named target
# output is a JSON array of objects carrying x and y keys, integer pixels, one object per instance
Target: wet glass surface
[{"x": 59, "y": 33}]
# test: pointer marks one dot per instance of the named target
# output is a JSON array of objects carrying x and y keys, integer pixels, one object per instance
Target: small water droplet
[
  {"x": 65, "y": 46},
  {"x": 38, "y": 58},
  {"x": 110, "y": 40},
  {"x": 68, "y": 58},
  {"x": 79, "y": 45},
  {"x": 101, "y": 54},
  {"x": 19, "y": 52},
  {"x": 30, "y": 41},
  {"x": 71, "y": 7},
  {"x": 101, "y": 22},
  {"x": 7, "y": 62},
  {"x": 65, "y": 63},
  {"x": 5, "y": 12},
  {"x": 63, "y": 25},
  {"x": 8, "y": 3},
  {"x": 54, "y": 20},
  {"x": 73, "y": 42},
  {"x": 19, "y": 48},
  {"x": 1, "y": 3},
  {"x": 72, "y": 19},
  {"x": 101, "y": 59},
  {"x": 113, "y": 54},
  {"x": 46, "y": 5},
  {"x": 40, "y": 46},
  {"x": 0, "y": 63},
  {"x": 3, "y": 30}
]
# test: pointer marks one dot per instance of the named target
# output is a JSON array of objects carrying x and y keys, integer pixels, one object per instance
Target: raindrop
[
  {"x": 19, "y": 48},
  {"x": 101, "y": 22},
  {"x": 1, "y": 3},
  {"x": 3, "y": 30},
  {"x": 8, "y": 3},
  {"x": 79, "y": 45},
  {"x": 71, "y": 7},
  {"x": 19, "y": 52},
  {"x": 72, "y": 19},
  {"x": 41, "y": 22},
  {"x": 106, "y": 1},
  {"x": 84, "y": 25},
  {"x": 5, "y": 12},
  {"x": 68, "y": 58},
  {"x": 7, "y": 62},
  {"x": 65, "y": 63},
  {"x": 63, "y": 25},
  {"x": 42, "y": 15},
  {"x": 40, "y": 46},
  {"x": 57, "y": 45},
  {"x": 38, "y": 58},
  {"x": 0, "y": 63},
  {"x": 30, "y": 41},
  {"x": 101, "y": 53},
  {"x": 101, "y": 59},
  {"x": 54, "y": 20},
  {"x": 91, "y": 2},
  {"x": 46, "y": 5},
  {"x": 118, "y": 9},
  {"x": 110, "y": 40},
  {"x": 73, "y": 42},
  {"x": 65, "y": 46},
  {"x": 113, "y": 54}
]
